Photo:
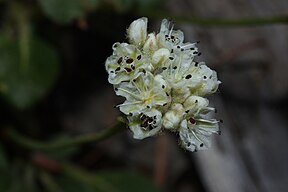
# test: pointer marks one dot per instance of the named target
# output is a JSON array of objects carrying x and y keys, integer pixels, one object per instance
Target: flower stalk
[{"x": 32, "y": 144}]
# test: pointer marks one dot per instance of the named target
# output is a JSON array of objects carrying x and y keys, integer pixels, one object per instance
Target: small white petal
[
  {"x": 151, "y": 44},
  {"x": 160, "y": 56},
  {"x": 137, "y": 31},
  {"x": 173, "y": 117},
  {"x": 195, "y": 103}
]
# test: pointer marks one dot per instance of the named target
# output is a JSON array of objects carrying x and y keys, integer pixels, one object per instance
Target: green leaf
[
  {"x": 64, "y": 11},
  {"x": 24, "y": 86}
]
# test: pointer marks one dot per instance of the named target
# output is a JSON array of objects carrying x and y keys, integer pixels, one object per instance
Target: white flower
[
  {"x": 195, "y": 133},
  {"x": 143, "y": 93},
  {"x": 203, "y": 80},
  {"x": 195, "y": 130},
  {"x": 145, "y": 124},
  {"x": 126, "y": 63},
  {"x": 163, "y": 85},
  {"x": 137, "y": 31}
]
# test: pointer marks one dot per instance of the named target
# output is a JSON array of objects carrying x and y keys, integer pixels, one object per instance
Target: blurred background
[{"x": 53, "y": 86}]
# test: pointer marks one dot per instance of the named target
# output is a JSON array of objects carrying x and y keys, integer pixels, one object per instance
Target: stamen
[
  {"x": 188, "y": 76},
  {"x": 120, "y": 60},
  {"x": 132, "y": 94},
  {"x": 125, "y": 104},
  {"x": 130, "y": 60},
  {"x": 128, "y": 69}
]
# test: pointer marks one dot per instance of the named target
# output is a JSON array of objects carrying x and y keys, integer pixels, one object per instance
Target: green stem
[
  {"x": 67, "y": 142},
  {"x": 249, "y": 21},
  {"x": 22, "y": 21}
]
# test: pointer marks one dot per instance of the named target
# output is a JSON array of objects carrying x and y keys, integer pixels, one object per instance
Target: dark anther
[
  {"x": 171, "y": 58},
  {"x": 163, "y": 86},
  {"x": 130, "y": 60},
  {"x": 172, "y": 50},
  {"x": 221, "y": 121},
  {"x": 148, "y": 107},
  {"x": 178, "y": 47},
  {"x": 144, "y": 124},
  {"x": 128, "y": 69},
  {"x": 111, "y": 71},
  {"x": 116, "y": 89},
  {"x": 142, "y": 117},
  {"x": 195, "y": 52},
  {"x": 117, "y": 69},
  {"x": 130, "y": 114},
  {"x": 166, "y": 35},
  {"x": 182, "y": 49},
  {"x": 198, "y": 42},
  {"x": 188, "y": 144},
  {"x": 202, "y": 144},
  {"x": 196, "y": 64},
  {"x": 196, "y": 101},
  {"x": 167, "y": 94},
  {"x": 120, "y": 60},
  {"x": 188, "y": 76},
  {"x": 134, "y": 80},
  {"x": 164, "y": 104},
  {"x": 172, "y": 37},
  {"x": 144, "y": 71},
  {"x": 139, "y": 57},
  {"x": 192, "y": 48},
  {"x": 187, "y": 111},
  {"x": 192, "y": 120},
  {"x": 133, "y": 67},
  {"x": 175, "y": 67},
  {"x": 164, "y": 68},
  {"x": 205, "y": 77},
  {"x": 199, "y": 53}
]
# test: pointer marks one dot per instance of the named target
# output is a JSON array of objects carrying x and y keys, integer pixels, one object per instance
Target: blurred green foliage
[
  {"x": 21, "y": 85},
  {"x": 64, "y": 11},
  {"x": 29, "y": 68}
]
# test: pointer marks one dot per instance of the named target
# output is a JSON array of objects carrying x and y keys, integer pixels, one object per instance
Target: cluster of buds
[{"x": 163, "y": 85}]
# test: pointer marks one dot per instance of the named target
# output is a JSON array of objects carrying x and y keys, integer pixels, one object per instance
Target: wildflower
[
  {"x": 163, "y": 86},
  {"x": 145, "y": 124},
  {"x": 125, "y": 63},
  {"x": 142, "y": 93}
]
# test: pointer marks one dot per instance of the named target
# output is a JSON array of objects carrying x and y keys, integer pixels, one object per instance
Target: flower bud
[
  {"x": 160, "y": 56},
  {"x": 137, "y": 31},
  {"x": 173, "y": 117},
  {"x": 151, "y": 44}
]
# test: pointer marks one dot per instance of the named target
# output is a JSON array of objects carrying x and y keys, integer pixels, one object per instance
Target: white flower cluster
[{"x": 163, "y": 85}]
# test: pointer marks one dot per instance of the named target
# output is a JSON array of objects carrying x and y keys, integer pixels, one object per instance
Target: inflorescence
[{"x": 164, "y": 86}]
